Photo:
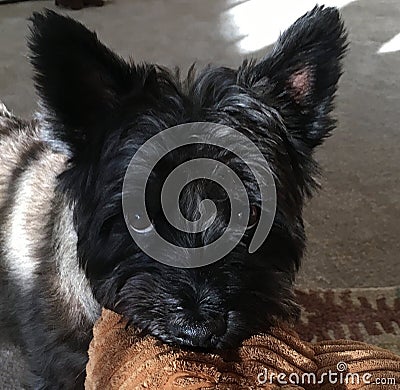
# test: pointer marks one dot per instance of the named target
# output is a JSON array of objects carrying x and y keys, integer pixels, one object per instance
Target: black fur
[{"x": 99, "y": 110}]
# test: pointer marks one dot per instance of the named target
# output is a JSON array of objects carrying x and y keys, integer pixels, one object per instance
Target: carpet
[{"x": 371, "y": 315}]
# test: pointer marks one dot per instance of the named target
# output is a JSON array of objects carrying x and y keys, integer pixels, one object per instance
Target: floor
[{"x": 353, "y": 223}]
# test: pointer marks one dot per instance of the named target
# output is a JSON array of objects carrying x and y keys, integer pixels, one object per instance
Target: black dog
[{"x": 66, "y": 250}]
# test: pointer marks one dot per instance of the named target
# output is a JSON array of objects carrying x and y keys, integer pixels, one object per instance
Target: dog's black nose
[{"x": 199, "y": 334}]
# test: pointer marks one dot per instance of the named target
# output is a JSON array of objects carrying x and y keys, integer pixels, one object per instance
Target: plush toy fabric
[{"x": 120, "y": 359}]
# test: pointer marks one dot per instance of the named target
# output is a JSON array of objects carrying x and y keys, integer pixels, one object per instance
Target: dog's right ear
[{"x": 79, "y": 80}]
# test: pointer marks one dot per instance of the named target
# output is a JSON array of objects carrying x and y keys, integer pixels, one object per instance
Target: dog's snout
[{"x": 199, "y": 334}]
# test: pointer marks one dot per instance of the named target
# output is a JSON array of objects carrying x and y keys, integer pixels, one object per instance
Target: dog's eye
[
  {"x": 140, "y": 224},
  {"x": 254, "y": 216}
]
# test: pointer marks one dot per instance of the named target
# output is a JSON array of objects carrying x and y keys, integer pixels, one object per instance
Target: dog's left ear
[
  {"x": 79, "y": 80},
  {"x": 300, "y": 75}
]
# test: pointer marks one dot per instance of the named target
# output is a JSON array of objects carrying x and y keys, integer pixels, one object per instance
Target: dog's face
[{"x": 101, "y": 110}]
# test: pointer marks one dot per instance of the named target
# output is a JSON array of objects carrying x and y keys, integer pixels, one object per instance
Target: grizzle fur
[{"x": 65, "y": 248}]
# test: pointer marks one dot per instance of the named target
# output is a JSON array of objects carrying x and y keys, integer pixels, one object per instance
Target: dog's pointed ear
[
  {"x": 300, "y": 75},
  {"x": 79, "y": 80}
]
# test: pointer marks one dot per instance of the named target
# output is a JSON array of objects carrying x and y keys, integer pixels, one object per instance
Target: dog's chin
[
  {"x": 214, "y": 308},
  {"x": 240, "y": 325},
  {"x": 236, "y": 333},
  {"x": 232, "y": 338}
]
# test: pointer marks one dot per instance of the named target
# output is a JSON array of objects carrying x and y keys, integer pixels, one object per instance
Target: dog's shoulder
[
  {"x": 8, "y": 121},
  {"x": 12, "y": 127},
  {"x": 4, "y": 111}
]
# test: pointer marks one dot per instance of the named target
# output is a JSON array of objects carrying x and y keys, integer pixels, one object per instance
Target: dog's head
[{"x": 100, "y": 110}]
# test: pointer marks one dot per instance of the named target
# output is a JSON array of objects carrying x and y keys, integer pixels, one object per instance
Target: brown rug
[{"x": 371, "y": 315}]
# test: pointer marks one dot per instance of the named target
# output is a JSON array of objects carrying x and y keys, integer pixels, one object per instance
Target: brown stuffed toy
[
  {"x": 120, "y": 359},
  {"x": 78, "y": 4}
]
